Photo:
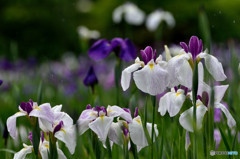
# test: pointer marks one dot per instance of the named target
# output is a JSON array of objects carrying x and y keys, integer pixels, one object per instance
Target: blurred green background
[{"x": 48, "y": 28}]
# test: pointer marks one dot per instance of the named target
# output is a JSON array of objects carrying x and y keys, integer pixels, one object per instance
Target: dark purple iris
[
  {"x": 1, "y": 81},
  {"x": 42, "y": 136},
  {"x": 148, "y": 54},
  {"x": 27, "y": 107},
  {"x": 91, "y": 78},
  {"x": 88, "y": 106},
  {"x": 185, "y": 89},
  {"x": 123, "y": 48},
  {"x": 194, "y": 47},
  {"x": 58, "y": 127},
  {"x": 127, "y": 110}
]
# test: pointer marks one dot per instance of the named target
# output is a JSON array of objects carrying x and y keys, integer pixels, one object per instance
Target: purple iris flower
[
  {"x": 91, "y": 78},
  {"x": 194, "y": 46},
  {"x": 148, "y": 54},
  {"x": 123, "y": 48},
  {"x": 1, "y": 82}
]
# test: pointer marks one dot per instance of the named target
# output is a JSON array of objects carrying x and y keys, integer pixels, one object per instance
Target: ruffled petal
[
  {"x": 116, "y": 111},
  {"x": 23, "y": 152},
  {"x": 213, "y": 66},
  {"x": 101, "y": 127},
  {"x": 230, "y": 121},
  {"x": 43, "y": 111},
  {"x": 68, "y": 136},
  {"x": 126, "y": 75},
  {"x": 11, "y": 124},
  {"x": 186, "y": 118},
  {"x": 152, "y": 79}
]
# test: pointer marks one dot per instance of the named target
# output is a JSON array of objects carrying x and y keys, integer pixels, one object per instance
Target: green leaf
[{"x": 225, "y": 141}]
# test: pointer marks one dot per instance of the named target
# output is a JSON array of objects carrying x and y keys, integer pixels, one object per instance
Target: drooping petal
[
  {"x": 177, "y": 100},
  {"x": 173, "y": 68},
  {"x": 137, "y": 133},
  {"x": 164, "y": 103},
  {"x": 100, "y": 50},
  {"x": 11, "y": 124},
  {"x": 219, "y": 92},
  {"x": 101, "y": 127},
  {"x": 213, "y": 66},
  {"x": 186, "y": 118},
  {"x": 68, "y": 136},
  {"x": 43, "y": 111},
  {"x": 152, "y": 79},
  {"x": 126, "y": 75},
  {"x": 184, "y": 74},
  {"x": 115, "y": 134},
  {"x": 116, "y": 111},
  {"x": 61, "y": 154},
  {"x": 23, "y": 152},
  {"x": 230, "y": 121}
]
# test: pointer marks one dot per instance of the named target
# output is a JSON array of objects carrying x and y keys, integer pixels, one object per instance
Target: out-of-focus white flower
[
  {"x": 156, "y": 17},
  {"x": 85, "y": 33},
  {"x": 130, "y": 12},
  {"x": 239, "y": 68}
]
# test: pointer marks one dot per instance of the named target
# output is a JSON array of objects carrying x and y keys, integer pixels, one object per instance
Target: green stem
[
  {"x": 153, "y": 120},
  {"x": 117, "y": 79},
  {"x": 53, "y": 146},
  {"x": 194, "y": 97}
]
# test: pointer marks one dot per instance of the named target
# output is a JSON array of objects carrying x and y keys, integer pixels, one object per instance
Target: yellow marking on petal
[
  {"x": 37, "y": 108},
  {"x": 63, "y": 131},
  {"x": 151, "y": 65},
  {"x": 177, "y": 94},
  {"x": 102, "y": 117},
  {"x": 139, "y": 121},
  {"x": 198, "y": 104},
  {"x": 47, "y": 146},
  {"x": 18, "y": 112}
]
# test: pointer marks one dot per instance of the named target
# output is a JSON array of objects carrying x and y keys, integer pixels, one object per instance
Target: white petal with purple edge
[
  {"x": 43, "y": 111},
  {"x": 101, "y": 127},
  {"x": 116, "y": 111},
  {"x": 11, "y": 124}
]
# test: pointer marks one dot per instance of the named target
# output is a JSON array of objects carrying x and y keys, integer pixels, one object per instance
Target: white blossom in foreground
[{"x": 150, "y": 75}]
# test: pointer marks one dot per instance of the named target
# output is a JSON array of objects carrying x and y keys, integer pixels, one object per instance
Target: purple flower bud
[
  {"x": 148, "y": 54},
  {"x": 88, "y": 106},
  {"x": 104, "y": 110},
  {"x": 205, "y": 98},
  {"x": 136, "y": 112},
  {"x": 1, "y": 81},
  {"x": 195, "y": 46},
  {"x": 91, "y": 78},
  {"x": 125, "y": 131},
  {"x": 175, "y": 88},
  {"x": 58, "y": 127},
  {"x": 30, "y": 137}
]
